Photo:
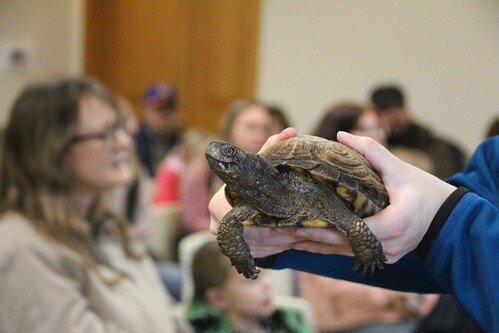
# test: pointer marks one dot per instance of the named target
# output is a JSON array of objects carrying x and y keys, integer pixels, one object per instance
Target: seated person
[
  {"x": 161, "y": 127},
  {"x": 68, "y": 262},
  {"x": 166, "y": 180},
  {"x": 225, "y": 301}
]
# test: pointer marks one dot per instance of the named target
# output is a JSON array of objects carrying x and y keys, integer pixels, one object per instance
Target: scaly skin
[
  {"x": 231, "y": 242},
  {"x": 367, "y": 249}
]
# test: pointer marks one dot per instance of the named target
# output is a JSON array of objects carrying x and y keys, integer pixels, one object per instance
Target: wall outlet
[{"x": 16, "y": 57}]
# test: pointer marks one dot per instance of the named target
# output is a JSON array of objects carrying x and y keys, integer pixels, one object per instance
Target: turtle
[{"x": 305, "y": 181}]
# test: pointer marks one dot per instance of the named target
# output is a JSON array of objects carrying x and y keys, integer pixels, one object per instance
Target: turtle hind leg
[
  {"x": 231, "y": 242},
  {"x": 366, "y": 247}
]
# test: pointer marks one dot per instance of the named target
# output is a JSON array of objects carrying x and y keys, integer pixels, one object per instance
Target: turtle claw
[
  {"x": 370, "y": 265},
  {"x": 248, "y": 270}
]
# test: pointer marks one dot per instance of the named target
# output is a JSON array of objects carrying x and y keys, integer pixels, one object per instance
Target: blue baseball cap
[{"x": 160, "y": 95}]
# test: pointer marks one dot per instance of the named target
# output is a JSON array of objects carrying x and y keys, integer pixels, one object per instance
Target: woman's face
[
  {"x": 99, "y": 156},
  {"x": 251, "y": 129},
  {"x": 369, "y": 125}
]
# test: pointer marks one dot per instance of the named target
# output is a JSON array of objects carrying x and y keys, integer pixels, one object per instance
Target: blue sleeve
[
  {"x": 408, "y": 274},
  {"x": 463, "y": 258},
  {"x": 481, "y": 173}
]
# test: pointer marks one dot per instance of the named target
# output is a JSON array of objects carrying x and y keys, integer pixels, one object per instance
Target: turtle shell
[{"x": 337, "y": 165}]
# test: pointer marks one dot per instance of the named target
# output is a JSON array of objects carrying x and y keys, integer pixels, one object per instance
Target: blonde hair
[{"x": 32, "y": 179}]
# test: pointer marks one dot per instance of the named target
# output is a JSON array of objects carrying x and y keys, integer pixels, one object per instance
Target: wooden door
[{"x": 207, "y": 48}]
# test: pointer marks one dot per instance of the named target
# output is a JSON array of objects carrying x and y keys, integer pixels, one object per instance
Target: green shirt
[{"x": 206, "y": 318}]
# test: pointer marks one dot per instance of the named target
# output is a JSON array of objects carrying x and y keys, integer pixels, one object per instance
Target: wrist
[
  {"x": 266, "y": 262},
  {"x": 439, "y": 220}
]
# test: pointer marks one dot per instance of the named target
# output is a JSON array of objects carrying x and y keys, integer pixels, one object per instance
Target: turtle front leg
[
  {"x": 366, "y": 247},
  {"x": 231, "y": 242}
]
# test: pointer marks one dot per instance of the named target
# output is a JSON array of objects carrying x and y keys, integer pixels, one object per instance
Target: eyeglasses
[{"x": 107, "y": 135}]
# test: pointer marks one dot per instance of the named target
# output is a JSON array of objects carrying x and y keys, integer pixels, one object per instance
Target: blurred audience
[
  {"x": 342, "y": 306},
  {"x": 389, "y": 102},
  {"x": 165, "y": 209},
  {"x": 280, "y": 118},
  {"x": 225, "y": 301},
  {"x": 133, "y": 198},
  {"x": 448, "y": 316},
  {"x": 350, "y": 117},
  {"x": 192, "y": 144},
  {"x": 246, "y": 124},
  {"x": 493, "y": 128},
  {"x": 161, "y": 127},
  {"x": 67, "y": 262}
]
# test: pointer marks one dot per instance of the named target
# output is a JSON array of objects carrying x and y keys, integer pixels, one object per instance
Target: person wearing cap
[
  {"x": 403, "y": 132},
  {"x": 160, "y": 128}
]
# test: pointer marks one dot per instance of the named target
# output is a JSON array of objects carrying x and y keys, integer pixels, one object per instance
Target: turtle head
[
  {"x": 249, "y": 175},
  {"x": 234, "y": 166}
]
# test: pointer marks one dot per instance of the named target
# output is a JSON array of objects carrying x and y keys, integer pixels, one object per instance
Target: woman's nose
[{"x": 123, "y": 138}]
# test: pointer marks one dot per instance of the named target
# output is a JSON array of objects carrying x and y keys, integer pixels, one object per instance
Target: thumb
[
  {"x": 284, "y": 135},
  {"x": 379, "y": 157}
]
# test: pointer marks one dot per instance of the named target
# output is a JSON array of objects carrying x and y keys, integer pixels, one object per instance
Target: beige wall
[
  {"x": 53, "y": 30},
  {"x": 445, "y": 53}
]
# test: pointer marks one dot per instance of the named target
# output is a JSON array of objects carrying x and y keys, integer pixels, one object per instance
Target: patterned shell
[{"x": 338, "y": 166}]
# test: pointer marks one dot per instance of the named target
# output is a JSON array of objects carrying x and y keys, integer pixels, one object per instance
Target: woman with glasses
[{"x": 66, "y": 262}]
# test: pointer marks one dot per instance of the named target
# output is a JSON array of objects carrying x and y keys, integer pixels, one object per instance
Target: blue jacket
[{"x": 457, "y": 254}]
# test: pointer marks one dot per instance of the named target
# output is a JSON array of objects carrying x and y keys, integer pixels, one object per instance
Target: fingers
[
  {"x": 325, "y": 241},
  {"x": 323, "y": 248},
  {"x": 379, "y": 157},
  {"x": 288, "y": 133},
  {"x": 269, "y": 251},
  {"x": 323, "y": 235},
  {"x": 218, "y": 207},
  {"x": 268, "y": 241},
  {"x": 259, "y": 236},
  {"x": 284, "y": 135}
]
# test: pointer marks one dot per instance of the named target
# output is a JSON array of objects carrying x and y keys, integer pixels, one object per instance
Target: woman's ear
[{"x": 216, "y": 297}]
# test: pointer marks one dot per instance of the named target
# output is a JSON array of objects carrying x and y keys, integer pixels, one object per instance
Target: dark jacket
[
  {"x": 151, "y": 148},
  {"x": 447, "y": 158}
]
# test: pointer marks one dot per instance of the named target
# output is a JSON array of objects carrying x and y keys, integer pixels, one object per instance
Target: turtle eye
[{"x": 229, "y": 151}]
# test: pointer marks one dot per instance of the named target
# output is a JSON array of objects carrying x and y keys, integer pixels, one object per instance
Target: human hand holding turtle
[
  {"x": 415, "y": 195},
  {"x": 303, "y": 182}
]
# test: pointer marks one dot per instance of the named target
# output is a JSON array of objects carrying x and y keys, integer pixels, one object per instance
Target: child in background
[{"x": 225, "y": 301}]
